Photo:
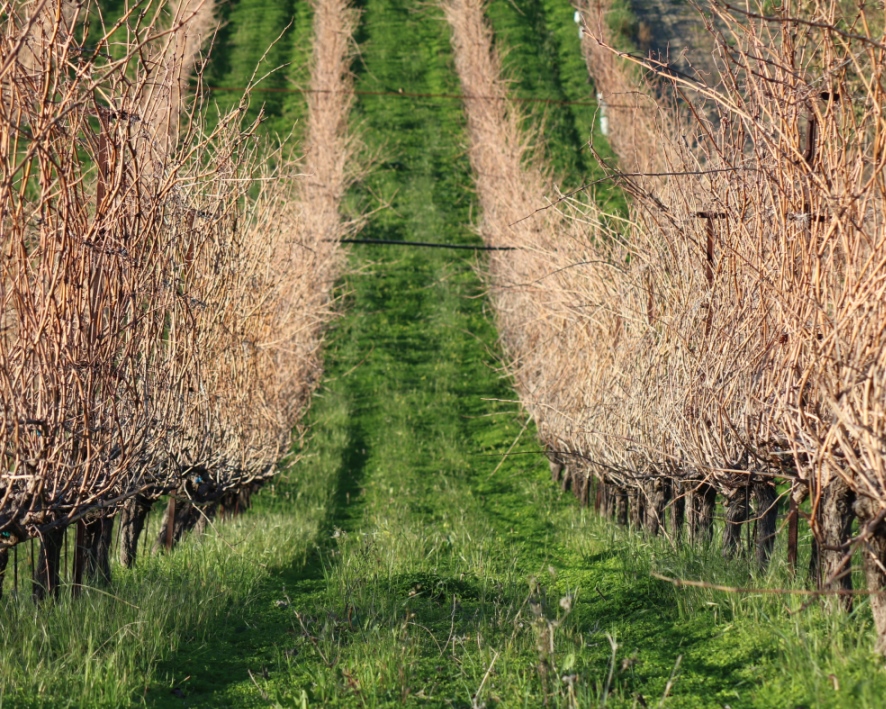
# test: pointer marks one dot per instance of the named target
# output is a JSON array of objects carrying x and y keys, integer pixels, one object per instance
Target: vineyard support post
[{"x": 835, "y": 518}]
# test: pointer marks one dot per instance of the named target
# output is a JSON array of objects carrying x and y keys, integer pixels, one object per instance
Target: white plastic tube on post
[{"x": 604, "y": 119}]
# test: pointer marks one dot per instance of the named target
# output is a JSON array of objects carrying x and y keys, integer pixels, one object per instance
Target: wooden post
[{"x": 709, "y": 218}]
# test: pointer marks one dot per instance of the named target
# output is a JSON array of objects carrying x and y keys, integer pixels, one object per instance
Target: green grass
[
  {"x": 260, "y": 43},
  {"x": 404, "y": 560},
  {"x": 103, "y": 649},
  {"x": 265, "y": 44},
  {"x": 542, "y": 55},
  {"x": 243, "y": 53}
]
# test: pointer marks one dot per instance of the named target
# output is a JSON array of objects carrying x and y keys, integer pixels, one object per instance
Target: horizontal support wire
[{"x": 408, "y": 94}]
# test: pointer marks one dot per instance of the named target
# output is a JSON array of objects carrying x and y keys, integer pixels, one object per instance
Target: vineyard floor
[{"x": 417, "y": 553}]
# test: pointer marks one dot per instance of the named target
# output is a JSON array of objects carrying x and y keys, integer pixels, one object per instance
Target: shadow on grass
[{"x": 201, "y": 672}]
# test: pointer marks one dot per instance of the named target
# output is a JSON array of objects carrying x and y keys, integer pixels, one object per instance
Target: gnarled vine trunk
[
  {"x": 175, "y": 522},
  {"x": 621, "y": 505},
  {"x": 766, "y": 512},
  {"x": 556, "y": 465},
  {"x": 204, "y": 517},
  {"x": 702, "y": 503},
  {"x": 799, "y": 491},
  {"x": 97, "y": 552},
  {"x": 132, "y": 523},
  {"x": 92, "y": 552},
  {"x": 678, "y": 509},
  {"x": 736, "y": 504},
  {"x": 637, "y": 507},
  {"x": 835, "y": 517},
  {"x": 658, "y": 493},
  {"x": 874, "y": 563},
  {"x": 47, "y": 572},
  {"x": 581, "y": 487}
]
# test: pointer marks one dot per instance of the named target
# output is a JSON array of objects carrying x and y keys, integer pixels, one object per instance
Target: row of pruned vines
[
  {"x": 724, "y": 341},
  {"x": 165, "y": 280}
]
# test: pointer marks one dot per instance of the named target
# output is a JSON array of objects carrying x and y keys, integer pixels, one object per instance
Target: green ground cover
[
  {"x": 265, "y": 44},
  {"x": 406, "y": 559},
  {"x": 539, "y": 43}
]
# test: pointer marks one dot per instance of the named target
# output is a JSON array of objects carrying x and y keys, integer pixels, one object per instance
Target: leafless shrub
[
  {"x": 163, "y": 290},
  {"x": 267, "y": 359},
  {"x": 84, "y": 277}
]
